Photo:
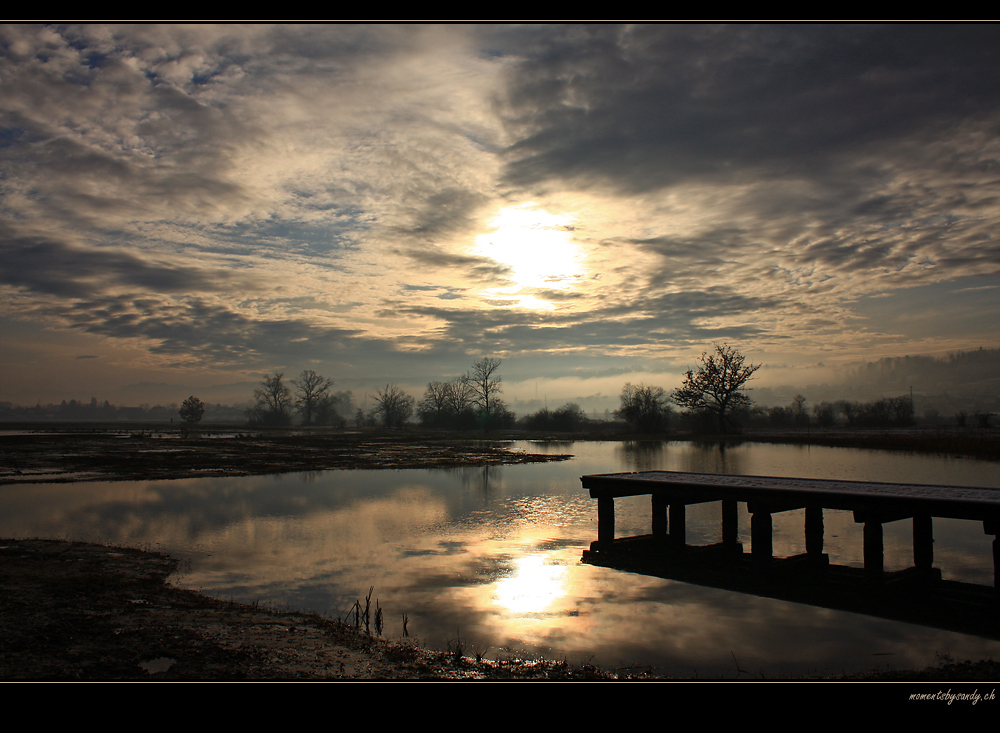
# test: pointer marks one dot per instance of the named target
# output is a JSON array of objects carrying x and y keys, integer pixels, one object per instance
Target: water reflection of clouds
[{"x": 494, "y": 555}]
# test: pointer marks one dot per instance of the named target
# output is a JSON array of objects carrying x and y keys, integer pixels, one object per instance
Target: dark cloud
[
  {"x": 192, "y": 329},
  {"x": 665, "y": 320},
  {"x": 48, "y": 266},
  {"x": 445, "y": 211},
  {"x": 476, "y": 267},
  {"x": 643, "y": 107}
]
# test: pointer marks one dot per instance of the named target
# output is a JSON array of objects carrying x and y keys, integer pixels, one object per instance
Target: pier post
[
  {"x": 659, "y": 514},
  {"x": 923, "y": 542},
  {"x": 873, "y": 554},
  {"x": 814, "y": 533},
  {"x": 678, "y": 532},
  {"x": 761, "y": 548},
  {"x": 730, "y": 523},
  {"x": 992, "y": 526},
  {"x": 605, "y": 520}
]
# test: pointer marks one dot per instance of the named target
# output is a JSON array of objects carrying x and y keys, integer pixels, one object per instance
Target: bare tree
[
  {"x": 644, "y": 408},
  {"x": 799, "y": 414},
  {"x": 716, "y": 387},
  {"x": 311, "y": 390},
  {"x": 273, "y": 404},
  {"x": 461, "y": 395},
  {"x": 435, "y": 407},
  {"x": 192, "y": 410},
  {"x": 394, "y": 406},
  {"x": 448, "y": 404},
  {"x": 485, "y": 381}
]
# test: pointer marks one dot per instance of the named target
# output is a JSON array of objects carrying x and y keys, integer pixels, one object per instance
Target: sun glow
[
  {"x": 533, "y": 588},
  {"x": 539, "y": 249}
]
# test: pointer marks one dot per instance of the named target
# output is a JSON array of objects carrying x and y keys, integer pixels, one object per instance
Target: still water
[{"x": 491, "y": 556}]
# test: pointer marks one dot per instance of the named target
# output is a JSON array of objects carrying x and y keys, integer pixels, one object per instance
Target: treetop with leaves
[{"x": 192, "y": 410}]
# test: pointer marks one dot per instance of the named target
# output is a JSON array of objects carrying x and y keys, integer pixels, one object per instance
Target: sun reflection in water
[{"x": 533, "y": 588}]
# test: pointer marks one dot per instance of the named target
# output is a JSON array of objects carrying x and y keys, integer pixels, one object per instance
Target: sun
[{"x": 540, "y": 250}]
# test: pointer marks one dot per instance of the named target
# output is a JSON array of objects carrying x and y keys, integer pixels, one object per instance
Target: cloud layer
[{"x": 391, "y": 202}]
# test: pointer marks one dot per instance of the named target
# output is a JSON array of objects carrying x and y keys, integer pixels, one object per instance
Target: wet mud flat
[{"x": 125, "y": 456}]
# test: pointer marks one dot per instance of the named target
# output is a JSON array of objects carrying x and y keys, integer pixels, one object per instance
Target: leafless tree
[
  {"x": 644, "y": 408},
  {"x": 393, "y": 405},
  {"x": 486, "y": 387},
  {"x": 448, "y": 404},
  {"x": 435, "y": 408},
  {"x": 311, "y": 390},
  {"x": 716, "y": 387},
  {"x": 273, "y": 402},
  {"x": 461, "y": 395}
]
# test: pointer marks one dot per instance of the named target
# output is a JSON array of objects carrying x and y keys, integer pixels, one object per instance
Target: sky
[{"x": 185, "y": 208}]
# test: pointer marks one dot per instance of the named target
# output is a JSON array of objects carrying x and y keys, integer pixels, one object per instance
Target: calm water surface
[{"x": 491, "y": 556}]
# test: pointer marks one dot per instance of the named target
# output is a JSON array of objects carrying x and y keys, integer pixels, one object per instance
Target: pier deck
[{"x": 872, "y": 503}]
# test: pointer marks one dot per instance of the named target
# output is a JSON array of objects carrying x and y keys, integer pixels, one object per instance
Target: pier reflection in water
[
  {"x": 492, "y": 556},
  {"x": 917, "y": 594}
]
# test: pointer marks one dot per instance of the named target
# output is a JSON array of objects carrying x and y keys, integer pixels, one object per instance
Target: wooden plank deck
[{"x": 873, "y": 504}]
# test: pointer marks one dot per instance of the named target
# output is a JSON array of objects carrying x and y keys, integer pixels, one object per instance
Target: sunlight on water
[
  {"x": 534, "y": 586},
  {"x": 493, "y": 555}
]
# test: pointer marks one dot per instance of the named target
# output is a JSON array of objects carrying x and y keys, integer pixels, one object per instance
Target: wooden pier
[{"x": 873, "y": 504}]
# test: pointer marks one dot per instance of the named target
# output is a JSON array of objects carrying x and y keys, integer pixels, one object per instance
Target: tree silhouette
[
  {"x": 393, "y": 405},
  {"x": 486, "y": 388},
  {"x": 311, "y": 389},
  {"x": 448, "y": 404},
  {"x": 644, "y": 408},
  {"x": 716, "y": 387},
  {"x": 192, "y": 410},
  {"x": 273, "y": 402}
]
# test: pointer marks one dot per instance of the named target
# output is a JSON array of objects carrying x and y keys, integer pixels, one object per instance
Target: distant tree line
[
  {"x": 566, "y": 419},
  {"x": 712, "y": 398},
  {"x": 471, "y": 401},
  {"x": 94, "y": 411},
  {"x": 275, "y": 404},
  {"x": 888, "y": 412}
]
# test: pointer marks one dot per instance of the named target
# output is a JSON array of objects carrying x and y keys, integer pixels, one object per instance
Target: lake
[{"x": 491, "y": 556}]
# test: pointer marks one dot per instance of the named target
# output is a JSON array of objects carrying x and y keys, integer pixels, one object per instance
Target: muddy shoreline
[{"x": 77, "y": 611}]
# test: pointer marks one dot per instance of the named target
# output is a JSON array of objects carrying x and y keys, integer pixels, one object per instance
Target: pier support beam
[
  {"x": 992, "y": 526},
  {"x": 923, "y": 542},
  {"x": 873, "y": 553},
  {"x": 730, "y": 523},
  {"x": 659, "y": 514},
  {"x": 678, "y": 531},
  {"x": 814, "y": 533},
  {"x": 606, "y": 520},
  {"x": 761, "y": 548}
]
